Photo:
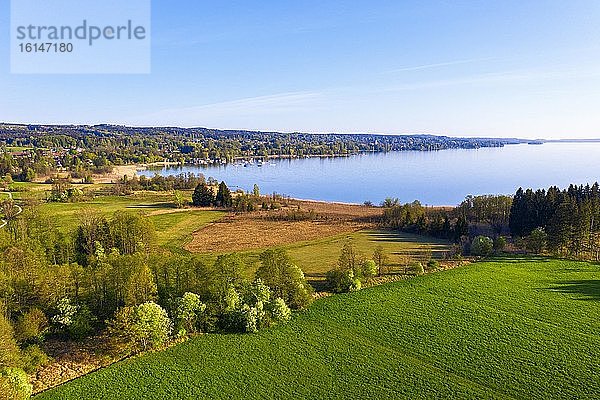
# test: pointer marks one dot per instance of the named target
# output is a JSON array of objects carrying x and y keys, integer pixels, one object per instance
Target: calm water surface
[{"x": 435, "y": 178}]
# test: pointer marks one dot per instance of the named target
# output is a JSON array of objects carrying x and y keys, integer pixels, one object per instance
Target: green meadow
[
  {"x": 316, "y": 257},
  {"x": 174, "y": 227},
  {"x": 506, "y": 328}
]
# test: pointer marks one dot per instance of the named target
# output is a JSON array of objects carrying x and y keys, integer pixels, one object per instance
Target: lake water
[{"x": 435, "y": 178}]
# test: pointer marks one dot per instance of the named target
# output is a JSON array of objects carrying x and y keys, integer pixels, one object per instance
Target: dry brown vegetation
[
  {"x": 69, "y": 360},
  {"x": 274, "y": 228}
]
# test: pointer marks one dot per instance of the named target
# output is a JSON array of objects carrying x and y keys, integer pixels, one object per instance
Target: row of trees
[
  {"x": 205, "y": 196},
  {"x": 563, "y": 222},
  {"x": 213, "y": 195},
  {"x": 158, "y": 183},
  {"x": 415, "y": 218}
]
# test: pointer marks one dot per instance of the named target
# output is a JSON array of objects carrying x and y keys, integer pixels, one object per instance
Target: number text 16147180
[{"x": 47, "y": 47}]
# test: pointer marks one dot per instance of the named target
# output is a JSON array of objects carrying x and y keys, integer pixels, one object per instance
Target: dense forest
[
  {"x": 27, "y": 151},
  {"x": 566, "y": 221}
]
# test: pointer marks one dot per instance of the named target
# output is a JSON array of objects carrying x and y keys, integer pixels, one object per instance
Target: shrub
[
  {"x": 369, "y": 269},
  {"x": 284, "y": 278},
  {"x": 419, "y": 270},
  {"x": 31, "y": 326},
  {"x": 258, "y": 292},
  {"x": 141, "y": 327},
  {"x": 232, "y": 299},
  {"x": 233, "y": 320},
  {"x": 280, "y": 311},
  {"x": 499, "y": 244},
  {"x": 121, "y": 330},
  {"x": 208, "y": 320},
  {"x": 6, "y": 389},
  {"x": 65, "y": 313},
  {"x": 188, "y": 309},
  {"x": 246, "y": 318},
  {"x": 15, "y": 384},
  {"x": 152, "y": 325},
  {"x": 82, "y": 323},
  {"x": 341, "y": 281},
  {"x": 253, "y": 309},
  {"x": 433, "y": 264},
  {"x": 300, "y": 294},
  {"x": 482, "y": 246},
  {"x": 77, "y": 321},
  {"x": 536, "y": 242},
  {"x": 34, "y": 358},
  {"x": 250, "y": 318},
  {"x": 9, "y": 350}
]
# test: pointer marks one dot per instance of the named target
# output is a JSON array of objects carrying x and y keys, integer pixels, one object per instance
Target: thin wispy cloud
[{"x": 436, "y": 65}]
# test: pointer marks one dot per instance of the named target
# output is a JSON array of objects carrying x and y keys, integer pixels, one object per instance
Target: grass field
[
  {"x": 177, "y": 229},
  {"x": 316, "y": 257},
  {"x": 174, "y": 230},
  {"x": 319, "y": 256},
  {"x": 174, "y": 227},
  {"x": 510, "y": 328}
]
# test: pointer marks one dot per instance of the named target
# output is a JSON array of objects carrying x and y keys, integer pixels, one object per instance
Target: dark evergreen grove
[{"x": 569, "y": 217}]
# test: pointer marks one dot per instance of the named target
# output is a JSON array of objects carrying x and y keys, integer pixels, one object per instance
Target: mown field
[
  {"x": 319, "y": 256},
  {"x": 316, "y": 257},
  {"x": 174, "y": 227},
  {"x": 508, "y": 328}
]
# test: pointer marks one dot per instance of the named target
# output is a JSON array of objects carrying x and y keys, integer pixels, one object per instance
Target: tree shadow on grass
[
  {"x": 320, "y": 285},
  {"x": 520, "y": 259},
  {"x": 153, "y": 206},
  {"x": 589, "y": 289},
  {"x": 402, "y": 237}
]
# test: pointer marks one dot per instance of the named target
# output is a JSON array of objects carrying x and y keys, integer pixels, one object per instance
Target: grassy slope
[
  {"x": 316, "y": 257},
  {"x": 507, "y": 329},
  {"x": 321, "y": 256},
  {"x": 173, "y": 229}
]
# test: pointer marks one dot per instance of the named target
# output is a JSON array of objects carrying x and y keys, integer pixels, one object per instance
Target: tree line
[{"x": 158, "y": 183}]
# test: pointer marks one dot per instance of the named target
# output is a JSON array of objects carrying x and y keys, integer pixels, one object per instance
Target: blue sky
[{"x": 460, "y": 68}]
